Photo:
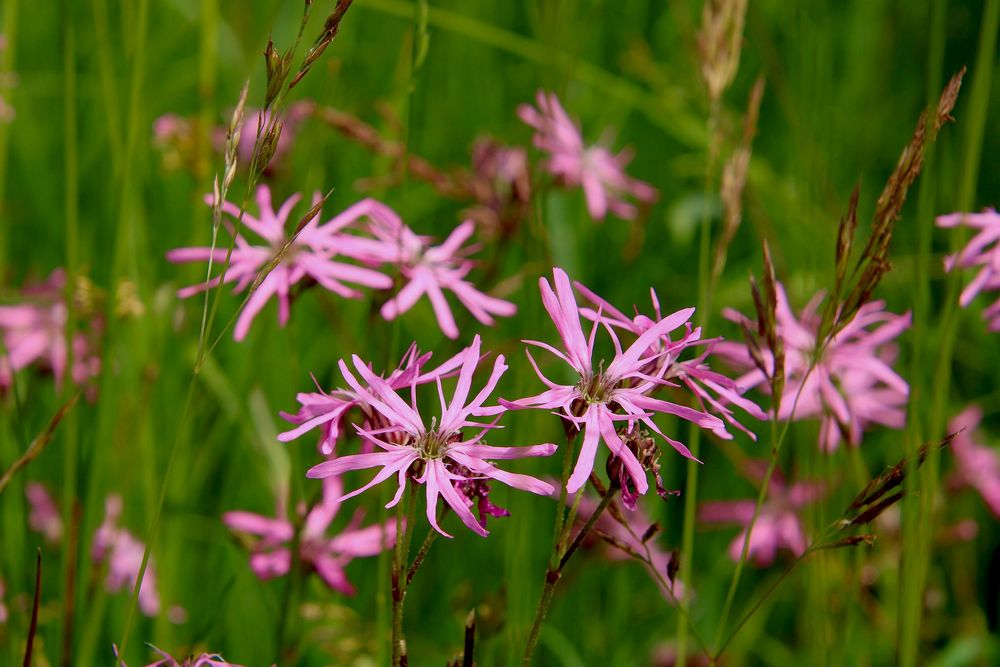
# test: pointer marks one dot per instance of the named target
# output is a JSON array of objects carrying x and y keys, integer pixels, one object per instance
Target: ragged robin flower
[
  {"x": 597, "y": 170},
  {"x": 846, "y": 382},
  {"x": 312, "y": 255},
  {"x": 608, "y": 394},
  {"x": 437, "y": 455}
]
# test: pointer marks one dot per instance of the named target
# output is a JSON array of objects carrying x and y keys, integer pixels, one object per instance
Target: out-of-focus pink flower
[
  {"x": 326, "y": 410},
  {"x": 501, "y": 184},
  {"x": 596, "y": 169},
  {"x": 6, "y": 111},
  {"x": 4, "y": 614},
  {"x": 437, "y": 456},
  {"x": 624, "y": 532},
  {"x": 35, "y": 331},
  {"x": 852, "y": 385},
  {"x": 328, "y": 556},
  {"x": 201, "y": 660},
  {"x": 983, "y": 251},
  {"x": 976, "y": 465},
  {"x": 429, "y": 269},
  {"x": 253, "y": 119},
  {"x": 122, "y": 552},
  {"x": 777, "y": 526},
  {"x": 44, "y": 515},
  {"x": 608, "y": 393},
  {"x": 174, "y": 137},
  {"x": 312, "y": 256},
  {"x": 713, "y": 391}
]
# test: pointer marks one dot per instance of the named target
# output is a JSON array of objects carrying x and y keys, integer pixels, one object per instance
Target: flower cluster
[
  {"x": 619, "y": 392},
  {"x": 596, "y": 169},
  {"x": 327, "y": 556},
  {"x": 34, "y": 331},
  {"x": 846, "y": 381},
  {"x": 370, "y": 234},
  {"x": 438, "y": 455},
  {"x": 982, "y": 252}
]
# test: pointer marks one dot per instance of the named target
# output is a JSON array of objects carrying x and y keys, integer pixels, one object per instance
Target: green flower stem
[{"x": 553, "y": 574}]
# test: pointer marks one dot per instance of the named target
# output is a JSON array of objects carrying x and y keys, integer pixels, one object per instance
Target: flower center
[
  {"x": 433, "y": 444},
  {"x": 595, "y": 388}
]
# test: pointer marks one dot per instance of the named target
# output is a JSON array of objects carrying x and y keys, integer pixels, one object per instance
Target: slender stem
[
  {"x": 918, "y": 511},
  {"x": 557, "y": 533},
  {"x": 71, "y": 457},
  {"x": 587, "y": 527},
  {"x": 753, "y": 609},
  {"x": 418, "y": 560},
  {"x": 291, "y": 587},
  {"x": 777, "y": 438},
  {"x": 404, "y": 528},
  {"x": 552, "y": 576},
  {"x": 705, "y": 289}
]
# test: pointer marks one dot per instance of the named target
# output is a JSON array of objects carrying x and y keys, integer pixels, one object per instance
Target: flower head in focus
[
  {"x": 605, "y": 395},
  {"x": 777, "y": 526},
  {"x": 34, "y": 331},
  {"x": 714, "y": 391},
  {"x": 437, "y": 455},
  {"x": 328, "y": 556},
  {"x": 326, "y": 410},
  {"x": 982, "y": 252},
  {"x": 122, "y": 552},
  {"x": 312, "y": 255},
  {"x": 430, "y": 269},
  {"x": 596, "y": 169},
  {"x": 847, "y": 383},
  {"x": 44, "y": 516},
  {"x": 976, "y": 465}
]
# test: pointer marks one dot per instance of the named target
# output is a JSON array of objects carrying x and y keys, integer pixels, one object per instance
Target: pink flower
[
  {"x": 327, "y": 410},
  {"x": 777, "y": 525},
  {"x": 44, "y": 516},
  {"x": 438, "y": 456},
  {"x": 976, "y": 465},
  {"x": 310, "y": 256},
  {"x": 430, "y": 270},
  {"x": 254, "y": 118},
  {"x": 852, "y": 385},
  {"x": 166, "y": 660},
  {"x": 982, "y": 251},
  {"x": 602, "y": 175},
  {"x": 123, "y": 553},
  {"x": 714, "y": 391},
  {"x": 328, "y": 556},
  {"x": 616, "y": 392},
  {"x": 35, "y": 331}
]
